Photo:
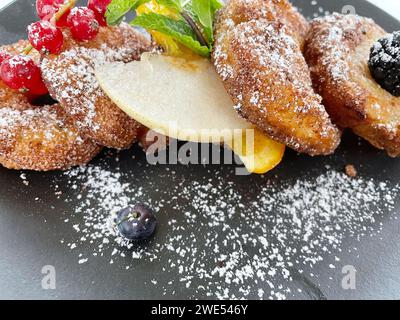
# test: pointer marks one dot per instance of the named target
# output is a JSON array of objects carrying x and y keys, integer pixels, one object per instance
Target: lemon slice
[
  {"x": 185, "y": 99},
  {"x": 258, "y": 152},
  {"x": 170, "y": 46}
]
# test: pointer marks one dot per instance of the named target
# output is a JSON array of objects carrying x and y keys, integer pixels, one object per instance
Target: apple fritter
[
  {"x": 71, "y": 81},
  {"x": 42, "y": 139},
  {"x": 337, "y": 50},
  {"x": 38, "y": 138},
  {"x": 240, "y": 11},
  {"x": 258, "y": 55}
]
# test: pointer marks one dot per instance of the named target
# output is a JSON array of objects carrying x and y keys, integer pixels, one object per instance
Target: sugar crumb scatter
[{"x": 216, "y": 236}]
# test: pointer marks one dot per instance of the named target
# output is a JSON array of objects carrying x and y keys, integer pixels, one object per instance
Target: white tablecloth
[{"x": 391, "y": 6}]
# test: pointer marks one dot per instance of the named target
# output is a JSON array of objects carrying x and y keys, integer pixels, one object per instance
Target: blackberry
[{"x": 384, "y": 63}]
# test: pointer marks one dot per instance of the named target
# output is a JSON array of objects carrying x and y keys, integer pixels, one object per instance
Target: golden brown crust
[
  {"x": 263, "y": 69},
  {"x": 240, "y": 11},
  {"x": 337, "y": 51},
  {"x": 13, "y": 98},
  {"x": 38, "y": 138},
  {"x": 42, "y": 139},
  {"x": 71, "y": 80},
  {"x": 18, "y": 47}
]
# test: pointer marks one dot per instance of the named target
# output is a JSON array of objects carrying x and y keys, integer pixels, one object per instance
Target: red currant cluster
[{"x": 20, "y": 72}]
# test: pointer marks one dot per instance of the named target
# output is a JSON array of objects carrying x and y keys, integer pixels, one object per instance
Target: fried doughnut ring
[
  {"x": 71, "y": 81},
  {"x": 337, "y": 50},
  {"x": 240, "y": 11},
  {"x": 261, "y": 63},
  {"x": 38, "y": 138},
  {"x": 41, "y": 139}
]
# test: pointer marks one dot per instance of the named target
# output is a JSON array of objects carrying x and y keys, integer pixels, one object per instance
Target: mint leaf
[
  {"x": 179, "y": 30},
  {"x": 215, "y": 6},
  {"x": 158, "y": 22},
  {"x": 117, "y": 9},
  {"x": 188, "y": 9},
  {"x": 202, "y": 8},
  {"x": 171, "y": 4},
  {"x": 194, "y": 29},
  {"x": 203, "y": 12}
]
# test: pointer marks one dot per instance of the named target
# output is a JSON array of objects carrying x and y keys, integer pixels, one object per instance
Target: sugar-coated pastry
[{"x": 338, "y": 51}]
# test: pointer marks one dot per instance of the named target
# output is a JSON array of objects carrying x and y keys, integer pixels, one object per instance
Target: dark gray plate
[{"x": 36, "y": 222}]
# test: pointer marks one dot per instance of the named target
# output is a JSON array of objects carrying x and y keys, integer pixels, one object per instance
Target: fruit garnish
[
  {"x": 21, "y": 73},
  {"x": 83, "y": 24},
  {"x": 188, "y": 110},
  {"x": 137, "y": 223},
  {"x": 45, "y": 37},
  {"x": 262, "y": 155},
  {"x": 99, "y": 8},
  {"x": 4, "y": 56},
  {"x": 189, "y": 23},
  {"x": 59, "y": 12},
  {"x": 46, "y": 9},
  {"x": 196, "y": 100},
  {"x": 197, "y": 108},
  {"x": 384, "y": 63},
  {"x": 169, "y": 45}
]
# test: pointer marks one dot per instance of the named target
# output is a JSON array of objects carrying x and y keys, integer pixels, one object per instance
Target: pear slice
[
  {"x": 182, "y": 99},
  {"x": 185, "y": 100}
]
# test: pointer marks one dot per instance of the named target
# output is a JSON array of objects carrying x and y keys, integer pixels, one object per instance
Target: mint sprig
[
  {"x": 193, "y": 28},
  {"x": 177, "y": 29},
  {"x": 203, "y": 13},
  {"x": 171, "y": 4},
  {"x": 117, "y": 10}
]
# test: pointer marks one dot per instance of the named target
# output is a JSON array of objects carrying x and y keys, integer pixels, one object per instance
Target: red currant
[
  {"x": 99, "y": 8},
  {"x": 4, "y": 55},
  {"x": 21, "y": 73},
  {"x": 46, "y": 9},
  {"x": 45, "y": 37},
  {"x": 83, "y": 24}
]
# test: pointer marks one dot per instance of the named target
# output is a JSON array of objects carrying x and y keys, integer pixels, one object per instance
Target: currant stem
[
  {"x": 133, "y": 215},
  {"x": 63, "y": 9},
  {"x": 27, "y": 49}
]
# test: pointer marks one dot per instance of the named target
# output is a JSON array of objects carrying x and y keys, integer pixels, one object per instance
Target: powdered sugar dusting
[
  {"x": 335, "y": 41},
  {"x": 256, "y": 55},
  {"x": 78, "y": 77},
  {"x": 393, "y": 52},
  {"x": 216, "y": 236},
  {"x": 42, "y": 138},
  {"x": 71, "y": 80}
]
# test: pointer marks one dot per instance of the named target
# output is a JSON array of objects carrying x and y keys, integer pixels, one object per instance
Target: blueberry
[{"x": 137, "y": 223}]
